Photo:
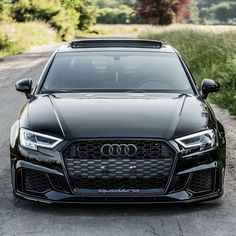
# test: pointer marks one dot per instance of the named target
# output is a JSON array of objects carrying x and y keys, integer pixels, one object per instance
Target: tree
[
  {"x": 207, "y": 3},
  {"x": 163, "y": 12},
  {"x": 232, "y": 12},
  {"x": 29, "y": 10},
  {"x": 86, "y": 9},
  {"x": 5, "y": 11},
  {"x": 114, "y": 3},
  {"x": 121, "y": 15},
  {"x": 66, "y": 16},
  {"x": 64, "y": 20},
  {"x": 194, "y": 18},
  {"x": 222, "y": 11}
]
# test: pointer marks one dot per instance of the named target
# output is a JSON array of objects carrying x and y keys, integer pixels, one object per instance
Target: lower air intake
[
  {"x": 202, "y": 181},
  {"x": 35, "y": 181}
]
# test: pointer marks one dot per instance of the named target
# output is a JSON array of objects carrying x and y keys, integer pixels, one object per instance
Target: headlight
[
  {"x": 33, "y": 140},
  {"x": 201, "y": 141}
]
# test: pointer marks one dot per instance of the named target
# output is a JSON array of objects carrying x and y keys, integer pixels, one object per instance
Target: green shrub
[
  {"x": 88, "y": 14},
  {"x": 114, "y": 3},
  {"x": 65, "y": 20},
  {"x": 66, "y": 23},
  {"x": 13, "y": 41},
  {"x": 209, "y": 54},
  {"x": 221, "y": 11},
  {"x": 121, "y": 15},
  {"x": 5, "y": 11},
  {"x": 86, "y": 10},
  {"x": 30, "y": 10},
  {"x": 67, "y": 16}
]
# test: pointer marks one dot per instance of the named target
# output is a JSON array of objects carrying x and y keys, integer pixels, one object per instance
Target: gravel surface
[{"x": 18, "y": 217}]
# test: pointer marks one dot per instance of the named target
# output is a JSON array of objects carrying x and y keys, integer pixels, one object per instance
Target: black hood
[{"x": 117, "y": 115}]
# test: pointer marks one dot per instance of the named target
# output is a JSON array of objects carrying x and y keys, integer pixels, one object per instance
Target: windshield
[{"x": 117, "y": 71}]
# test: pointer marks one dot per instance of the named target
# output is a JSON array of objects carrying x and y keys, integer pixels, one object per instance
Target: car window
[{"x": 121, "y": 71}]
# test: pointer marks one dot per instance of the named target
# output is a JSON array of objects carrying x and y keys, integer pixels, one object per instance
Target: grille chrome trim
[{"x": 169, "y": 144}]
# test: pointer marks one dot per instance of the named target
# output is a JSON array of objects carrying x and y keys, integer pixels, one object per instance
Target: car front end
[
  {"x": 129, "y": 168},
  {"x": 119, "y": 140},
  {"x": 55, "y": 175}
]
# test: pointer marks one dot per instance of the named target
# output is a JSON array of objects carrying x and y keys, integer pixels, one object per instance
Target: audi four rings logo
[{"x": 118, "y": 150}]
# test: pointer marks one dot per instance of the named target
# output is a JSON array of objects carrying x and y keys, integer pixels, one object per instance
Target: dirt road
[{"x": 18, "y": 217}]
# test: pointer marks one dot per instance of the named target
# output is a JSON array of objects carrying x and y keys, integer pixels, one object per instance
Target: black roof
[{"x": 100, "y": 43}]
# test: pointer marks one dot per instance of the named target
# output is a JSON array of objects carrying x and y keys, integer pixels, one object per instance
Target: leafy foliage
[
  {"x": 66, "y": 16},
  {"x": 121, "y": 15},
  {"x": 215, "y": 11},
  {"x": 66, "y": 23},
  {"x": 221, "y": 11},
  {"x": 162, "y": 12},
  {"x": 63, "y": 19},
  {"x": 114, "y": 3},
  {"x": 86, "y": 10},
  {"x": 29, "y": 10},
  {"x": 224, "y": 11},
  {"x": 5, "y": 11},
  {"x": 117, "y": 12}
]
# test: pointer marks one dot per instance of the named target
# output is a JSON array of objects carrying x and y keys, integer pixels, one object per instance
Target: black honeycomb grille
[
  {"x": 202, "y": 181},
  {"x": 35, "y": 181},
  {"x": 149, "y": 168},
  {"x": 92, "y": 149}
]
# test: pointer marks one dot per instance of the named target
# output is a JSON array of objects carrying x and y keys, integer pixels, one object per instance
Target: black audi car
[{"x": 117, "y": 121}]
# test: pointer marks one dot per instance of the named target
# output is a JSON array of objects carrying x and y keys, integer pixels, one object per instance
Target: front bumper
[
  {"x": 54, "y": 184},
  {"x": 57, "y": 197}
]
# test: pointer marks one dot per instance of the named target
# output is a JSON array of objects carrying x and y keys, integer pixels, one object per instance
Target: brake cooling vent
[
  {"x": 202, "y": 181},
  {"x": 35, "y": 181}
]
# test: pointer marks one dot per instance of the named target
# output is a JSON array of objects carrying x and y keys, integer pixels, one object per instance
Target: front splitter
[{"x": 59, "y": 197}]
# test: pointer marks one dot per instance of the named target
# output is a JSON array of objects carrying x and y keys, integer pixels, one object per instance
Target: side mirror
[
  {"x": 24, "y": 86},
  {"x": 209, "y": 86}
]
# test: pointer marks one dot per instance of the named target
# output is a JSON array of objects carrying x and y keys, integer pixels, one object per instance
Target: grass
[
  {"x": 19, "y": 37},
  {"x": 210, "y": 52}
]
